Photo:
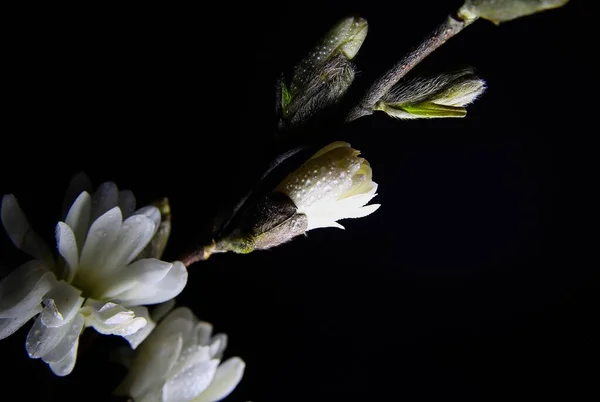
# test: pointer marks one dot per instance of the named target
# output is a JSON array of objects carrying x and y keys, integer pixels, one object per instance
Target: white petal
[
  {"x": 9, "y": 326},
  {"x": 134, "y": 235},
  {"x": 41, "y": 339},
  {"x": 78, "y": 218},
  {"x": 190, "y": 382},
  {"x": 363, "y": 211},
  {"x": 20, "y": 232},
  {"x": 64, "y": 367},
  {"x": 67, "y": 248},
  {"x": 181, "y": 321},
  {"x": 126, "y": 203},
  {"x": 138, "y": 337},
  {"x": 151, "y": 213},
  {"x": 78, "y": 184},
  {"x": 150, "y": 365},
  {"x": 179, "y": 325},
  {"x": 24, "y": 288},
  {"x": 228, "y": 376},
  {"x": 191, "y": 356},
  {"x": 131, "y": 280},
  {"x": 69, "y": 339},
  {"x": 99, "y": 242},
  {"x": 217, "y": 346},
  {"x": 113, "y": 319},
  {"x": 161, "y": 310},
  {"x": 105, "y": 198},
  {"x": 203, "y": 333},
  {"x": 168, "y": 288},
  {"x": 322, "y": 222},
  {"x": 62, "y": 303}
]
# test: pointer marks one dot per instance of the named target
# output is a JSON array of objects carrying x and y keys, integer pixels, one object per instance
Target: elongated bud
[
  {"x": 444, "y": 95},
  {"x": 345, "y": 38},
  {"x": 324, "y": 76},
  {"x": 335, "y": 183},
  {"x": 157, "y": 245},
  {"x": 499, "y": 11}
]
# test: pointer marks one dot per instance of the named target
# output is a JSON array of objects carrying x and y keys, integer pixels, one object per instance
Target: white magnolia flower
[
  {"x": 333, "y": 184},
  {"x": 181, "y": 362},
  {"x": 95, "y": 281}
]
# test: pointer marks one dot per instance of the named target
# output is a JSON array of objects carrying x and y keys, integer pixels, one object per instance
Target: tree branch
[{"x": 452, "y": 26}]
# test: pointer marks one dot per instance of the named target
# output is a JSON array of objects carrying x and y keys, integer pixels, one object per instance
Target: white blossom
[
  {"x": 94, "y": 281},
  {"x": 335, "y": 183},
  {"x": 180, "y": 361}
]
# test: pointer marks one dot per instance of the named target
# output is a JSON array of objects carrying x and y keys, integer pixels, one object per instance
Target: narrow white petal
[
  {"x": 126, "y": 203},
  {"x": 67, "y": 248},
  {"x": 150, "y": 365},
  {"x": 228, "y": 376},
  {"x": 99, "y": 242},
  {"x": 217, "y": 346},
  {"x": 203, "y": 333},
  {"x": 316, "y": 222},
  {"x": 20, "y": 232},
  {"x": 62, "y": 303},
  {"x": 78, "y": 218},
  {"x": 189, "y": 383},
  {"x": 24, "y": 288},
  {"x": 64, "y": 367},
  {"x": 105, "y": 198},
  {"x": 131, "y": 281},
  {"x": 363, "y": 211},
  {"x": 168, "y": 288},
  {"x": 151, "y": 213},
  {"x": 78, "y": 184},
  {"x": 181, "y": 321},
  {"x": 113, "y": 319},
  {"x": 69, "y": 339},
  {"x": 41, "y": 339},
  {"x": 9, "y": 326},
  {"x": 134, "y": 235},
  {"x": 138, "y": 337}
]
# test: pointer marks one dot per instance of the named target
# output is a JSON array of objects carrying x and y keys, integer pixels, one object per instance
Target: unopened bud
[
  {"x": 499, "y": 11},
  {"x": 444, "y": 95},
  {"x": 324, "y": 76}
]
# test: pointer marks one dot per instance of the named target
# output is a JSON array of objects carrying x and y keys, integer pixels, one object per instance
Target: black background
[{"x": 470, "y": 282}]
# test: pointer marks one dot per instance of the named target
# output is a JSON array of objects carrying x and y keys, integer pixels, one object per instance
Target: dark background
[{"x": 470, "y": 283}]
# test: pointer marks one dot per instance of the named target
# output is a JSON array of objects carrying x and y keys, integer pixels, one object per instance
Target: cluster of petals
[{"x": 94, "y": 281}]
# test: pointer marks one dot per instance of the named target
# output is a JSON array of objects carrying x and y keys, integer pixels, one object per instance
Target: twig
[{"x": 453, "y": 25}]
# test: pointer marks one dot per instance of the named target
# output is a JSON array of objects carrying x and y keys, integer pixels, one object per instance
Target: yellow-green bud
[{"x": 499, "y": 11}]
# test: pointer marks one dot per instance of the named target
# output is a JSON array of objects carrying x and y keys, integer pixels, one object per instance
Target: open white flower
[
  {"x": 335, "y": 183},
  {"x": 95, "y": 281},
  {"x": 181, "y": 362}
]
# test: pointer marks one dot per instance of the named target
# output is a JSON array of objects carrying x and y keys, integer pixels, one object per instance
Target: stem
[
  {"x": 199, "y": 254},
  {"x": 453, "y": 25}
]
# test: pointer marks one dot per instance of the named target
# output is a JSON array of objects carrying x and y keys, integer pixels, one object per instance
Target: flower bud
[
  {"x": 323, "y": 77},
  {"x": 333, "y": 184},
  {"x": 499, "y": 11},
  {"x": 345, "y": 38},
  {"x": 444, "y": 95}
]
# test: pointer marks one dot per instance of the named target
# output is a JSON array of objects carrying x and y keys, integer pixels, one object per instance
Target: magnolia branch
[{"x": 452, "y": 26}]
